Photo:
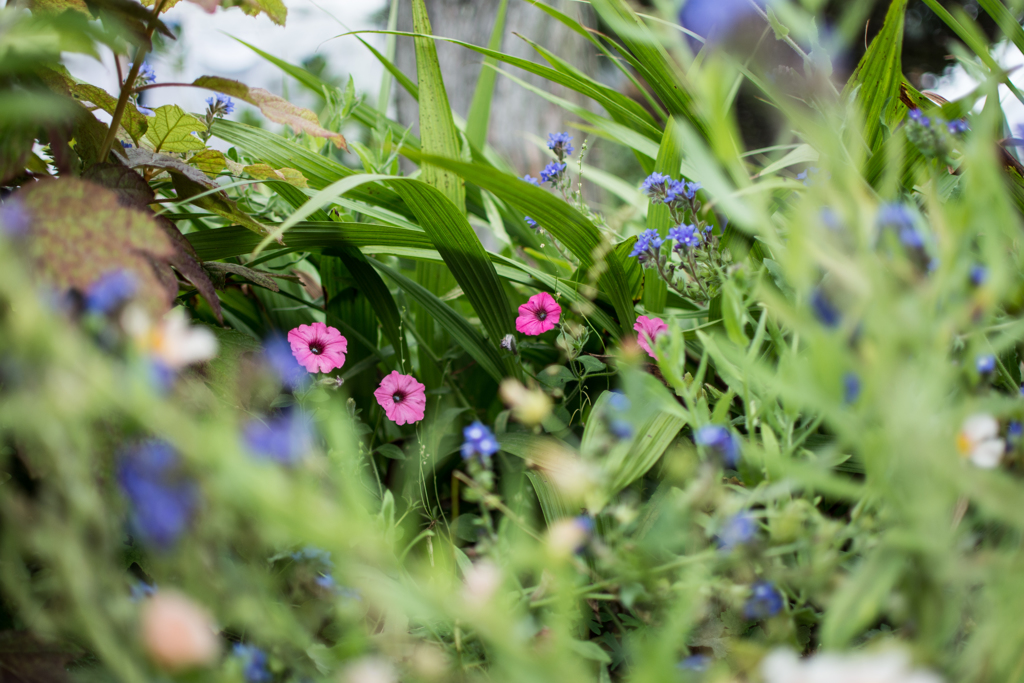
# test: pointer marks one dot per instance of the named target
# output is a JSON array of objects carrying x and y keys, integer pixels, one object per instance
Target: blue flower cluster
[
  {"x": 765, "y": 601},
  {"x": 553, "y": 172},
  {"x": 917, "y": 116},
  {"x": 478, "y": 441},
  {"x": 254, "y": 663},
  {"x": 162, "y": 500},
  {"x": 685, "y": 236},
  {"x": 110, "y": 291},
  {"x": 220, "y": 105},
  {"x": 146, "y": 75},
  {"x": 721, "y": 441},
  {"x": 285, "y": 438},
  {"x": 560, "y": 144},
  {"x": 662, "y": 189},
  {"x": 648, "y": 240},
  {"x": 958, "y": 127}
]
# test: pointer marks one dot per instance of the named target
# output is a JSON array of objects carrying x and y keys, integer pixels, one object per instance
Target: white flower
[
  {"x": 172, "y": 341},
  {"x": 892, "y": 666},
  {"x": 482, "y": 581},
  {"x": 979, "y": 440},
  {"x": 369, "y": 670}
]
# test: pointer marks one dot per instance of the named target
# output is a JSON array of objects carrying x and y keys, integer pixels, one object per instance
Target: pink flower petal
[
  {"x": 412, "y": 398},
  {"x": 649, "y": 329},
  {"x": 538, "y": 315},
  {"x": 318, "y": 347}
]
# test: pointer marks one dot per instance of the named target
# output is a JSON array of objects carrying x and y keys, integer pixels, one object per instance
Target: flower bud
[{"x": 177, "y": 633}]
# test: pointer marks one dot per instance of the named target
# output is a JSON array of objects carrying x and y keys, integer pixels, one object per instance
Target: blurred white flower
[
  {"x": 482, "y": 582},
  {"x": 369, "y": 670},
  {"x": 529, "y": 406},
  {"x": 566, "y": 536},
  {"x": 893, "y": 666},
  {"x": 979, "y": 440},
  {"x": 177, "y": 633},
  {"x": 172, "y": 341}
]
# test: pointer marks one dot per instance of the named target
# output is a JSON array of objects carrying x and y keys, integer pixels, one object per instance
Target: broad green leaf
[
  {"x": 669, "y": 161},
  {"x": 212, "y": 245},
  {"x": 172, "y": 130},
  {"x": 479, "y": 115},
  {"x": 267, "y": 172},
  {"x": 80, "y": 232},
  {"x": 876, "y": 81},
  {"x": 464, "y": 334},
  {"x": 209, "y": 161}
]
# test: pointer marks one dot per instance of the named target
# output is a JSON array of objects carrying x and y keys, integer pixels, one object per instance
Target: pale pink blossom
[
  {"x": 649, "y": 329},
  {"x": 402, "y": 398},
  {"x": 538, "y": 315},
  {"x": 177, "y": 633},
  {"x": 317, "y": 347}
]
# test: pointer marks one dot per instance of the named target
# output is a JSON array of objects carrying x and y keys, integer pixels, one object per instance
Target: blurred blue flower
[
  {"x": 895, "y": 216},
  {"x": 314, "y": 555},
  {"x": 530, "y": 179},
  {"x": 126, "y": 145},
  {"x": 220, "y": 105},
  {"x": 478, "y": 440},
  {"x": 685, "y": 236},
  {"x": 737, "y": 530},
  {"x": 765, "y": 601},
  {"x": 146, "y": 74},
  {"x": 830, "y": 218},
  {"x": 958, "y": 127},
  {"x": 918, "y": 116},
  {"x": 851, "y": 387},
  {"x": 552, "y": 172},
  {"x": 721, "y": 441},
  {"x": 648, "y": 239},
  {"x": 285, "y": 438},
  {"x": 716, "y": 19},
  {"x": 979, "y": 274},
  {"x": 278, "y": 354},
  {"x": 826, "y": 313},
  {"x": 1014, "y": 431},
  {"x": 695, "y": 663},
  {"x": 140, "y": 590},
  {"x": 559, "y": 143},
  {"x": 620, "y": 427},
  {"x": 529, "y": 221},
  {"x": 910, "y": 237},
  {"x": 805, "y": 174},
  {"x": 15, "y": 220},
  {"x": 985, "y": 364},
  {"x": 162, "y": 500},
  {"x": 110, "y": 291},
  {"x": 254, "y": 663},
  {"x": 145, "y": 110}
]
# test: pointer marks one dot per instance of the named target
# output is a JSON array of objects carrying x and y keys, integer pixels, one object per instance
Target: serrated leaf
[
  {"x": 267, "y": 172},
  {"x": 209, "y": 161},
  {"x": 80, "y": 231},
  {"x": 172, "y": 130}
]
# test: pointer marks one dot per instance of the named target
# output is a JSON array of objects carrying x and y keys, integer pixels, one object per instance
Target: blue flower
[
  {"x": 830, "y": 218},
  {"x": 685, "y": 236},
  {"x": 15, "y": 220},
  {"x": 529, "y": 221},
  {"x": 278, "y": 354},
  {"x": 530, "y": 179},
  {"x": 314, "y": 555},
  {"x": 656, "y": 186},
  {"x": 985, "y": 364},
  {"x": 695, "y": 663},
  {"x": 146, "y": 74},
  {"x": 738, "y": 530},
  {"x": 254, "y": 663},
  {"x": 691, "y": 189},
  {"x": 220, "y": 105},
  {"x": 284, "y": 438},
  {"x": 144, "y": 111},
  {"x": 719, "y": 440},
  {"x": 126, "y": 145},
  {"x": 805, "y": 175},
  {"x": 110, "y": 291},
  {"x": 957, "y": 127},
  {"x": 824, "y": 310},
  {"x": 765, "y": 601},
  {"x": 910, "y": 237},
  {"x": 918, "y": 116},
  {"x": 559, "y": 144},
  {"x": 478, "y": 440},
  {"x": 552, "y": 173},
  {"x": 979, "y": 274},
  {"x": 1014, "y": 431},
  {"x": 851, "y": 387},
  {"x": 140, "y": 590},
  {"x": 162, "y": 500},
  {"x": 648, "y": 239},
  {"x": 620, "y": 427},
  {"x": 895, "y": 216}
]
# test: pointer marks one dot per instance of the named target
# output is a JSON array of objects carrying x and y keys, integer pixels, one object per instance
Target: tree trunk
[{"x": 515, "y": 112}]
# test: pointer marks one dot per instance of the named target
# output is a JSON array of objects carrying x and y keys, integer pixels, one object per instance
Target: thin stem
[
  {"x": 126, "y": 87},
  {"x": 166, "y": 85}
]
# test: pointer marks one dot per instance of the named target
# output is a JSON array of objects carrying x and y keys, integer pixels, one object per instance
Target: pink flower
[
  {"x": 402, "y": 398},
  {"x": 649, "y": 329},
  {"x": 317, "y": 347},
  {"x": 538, "y": 315}
]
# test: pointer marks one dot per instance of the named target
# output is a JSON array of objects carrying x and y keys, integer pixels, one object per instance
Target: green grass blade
[
  {"x": 479, "y": 115},
  {"x": 379, "y": 296},
  {"x": 213, "y": 245},
  {"x": 390, "y": 67}
]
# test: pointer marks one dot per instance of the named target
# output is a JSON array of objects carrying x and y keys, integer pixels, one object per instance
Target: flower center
[
  {"x": 541, "y": 315},
  {"x": 316, "y": 347},
  {"x": 397, "y": 398}
]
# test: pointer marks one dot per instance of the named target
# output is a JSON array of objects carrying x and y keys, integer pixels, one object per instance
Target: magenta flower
[
  {"x": 402, "y": 398},
  {"x": 538, "y": 315},
  {"x": 649, "y": 329},
  {"x": 317, "y": 347}
]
